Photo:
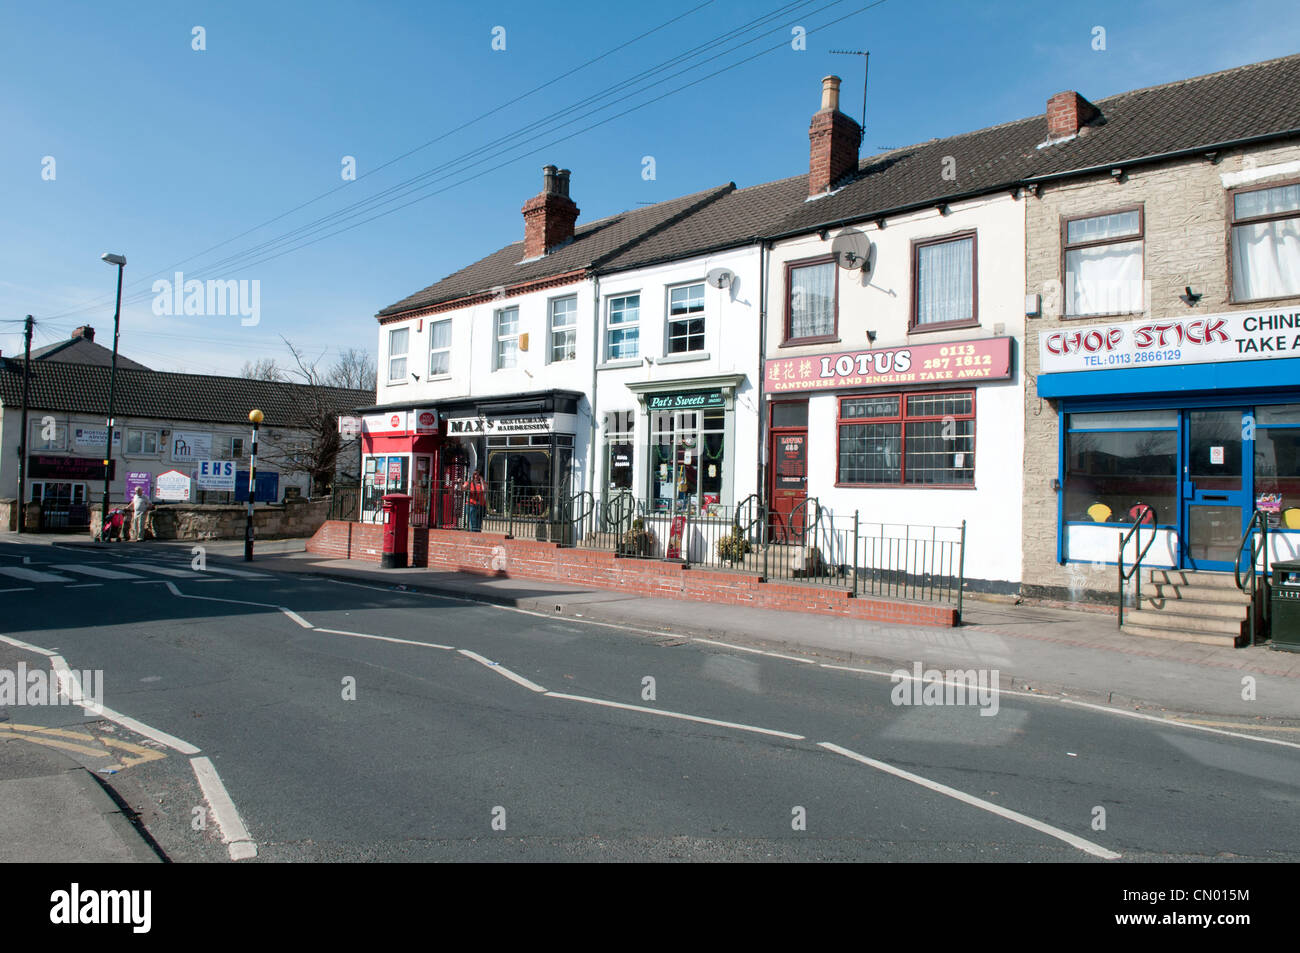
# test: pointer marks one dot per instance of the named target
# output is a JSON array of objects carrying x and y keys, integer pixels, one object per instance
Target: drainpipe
[
  {"x": 763, "y": 257},
  {"x": 592, "y": 449}
]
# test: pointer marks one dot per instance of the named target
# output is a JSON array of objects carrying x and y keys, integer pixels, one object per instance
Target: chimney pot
[
  {"x": 831, "y": 92},
  {"x": 549, "y": 217}
]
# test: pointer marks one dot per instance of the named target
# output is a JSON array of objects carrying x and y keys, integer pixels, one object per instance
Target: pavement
[{"x": 1035, "y": 649}]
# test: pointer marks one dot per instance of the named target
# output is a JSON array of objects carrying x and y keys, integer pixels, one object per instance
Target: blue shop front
[{"x": 1189, "y": 425}]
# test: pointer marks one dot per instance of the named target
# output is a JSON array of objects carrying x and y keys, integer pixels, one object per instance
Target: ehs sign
[
  {"x": 987, "y": 359},
  {"x": 216, "y": 475},
  {"x": 1215, "y": 338}
]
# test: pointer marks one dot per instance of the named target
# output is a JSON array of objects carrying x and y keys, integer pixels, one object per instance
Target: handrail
[
  {"x": 580, "y": 513},
  {"x": 754, "y": 504},
  {"x": 1137, "y": 563},
  {"x": 1255, "y": 576},
  {"x": 802, "y": 505}
]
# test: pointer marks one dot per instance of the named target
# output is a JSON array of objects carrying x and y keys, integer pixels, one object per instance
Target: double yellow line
[{"x": 81, "y": 742}]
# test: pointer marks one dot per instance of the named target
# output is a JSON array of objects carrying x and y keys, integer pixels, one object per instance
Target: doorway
[
  {"x": 1217, "y": 486},
  {"x": 788, "y": 466}
]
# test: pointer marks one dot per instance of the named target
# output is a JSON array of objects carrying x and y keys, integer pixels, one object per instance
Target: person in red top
[{"x": 475, "y": 500}]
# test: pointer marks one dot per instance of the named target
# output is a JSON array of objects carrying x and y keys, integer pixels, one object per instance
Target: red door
[{"x": 788, "y": 466}]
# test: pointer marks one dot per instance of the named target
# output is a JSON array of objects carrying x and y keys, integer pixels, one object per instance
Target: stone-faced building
[{"x": 1163, "y": 345}]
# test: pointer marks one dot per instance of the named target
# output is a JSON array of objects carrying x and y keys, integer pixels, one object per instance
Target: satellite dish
[
  {"x": 852, "y": 250},
  {"x": 719, "y": 277}
]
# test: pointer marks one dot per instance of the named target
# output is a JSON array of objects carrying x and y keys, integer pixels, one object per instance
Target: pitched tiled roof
[
  {"x": 590, "y": 243},
  {"x": 1259, "y": 100},
  {"x": 82, "y": 351},
  {"x": 83, "y": 388}
]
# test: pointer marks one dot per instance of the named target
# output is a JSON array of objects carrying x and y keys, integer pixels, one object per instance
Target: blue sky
[{"x": 162, "y": 151}]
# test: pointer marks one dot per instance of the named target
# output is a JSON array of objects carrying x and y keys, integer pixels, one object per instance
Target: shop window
[
  {"x": 564, "y": 329},
  {"x": 687, "y": 458},
  {"x": 790, "y": 413},
  {"x": 1277, "y": 462},
  {"x": 923, "y": 439},
  {"x": 380, "y": 475},
  {"x": 519, "y": 475},
  {"x": 619, "y": 438},
  {"x": 623, "y": 328},
  {"x": 507, "y": 339},
  {"x": 686, "y": 319},
  {"x": 440, "y": 348},
  {"x": 142, "y": 441},
  {"x": 811, "y": 308},
  {"x": 1103, "y": 264},
  {"x": 1266, "y": 243},
  {"x": 1117, "y": 461},
  {"x": 943, "y": 292},
  {"x": 398, "y": 341}
]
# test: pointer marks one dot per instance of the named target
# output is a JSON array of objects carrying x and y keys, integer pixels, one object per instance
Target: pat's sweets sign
[
  {"x": 1212, "y": 339},
  {"x": 987, "y": 359}
]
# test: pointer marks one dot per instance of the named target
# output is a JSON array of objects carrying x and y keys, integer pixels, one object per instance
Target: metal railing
[
  {"x": 345, "y": 503},
  {"x": 1256, "y": 579},
  {"x": 1134, "y": 531},
  {"x": 907, "y": 561}
]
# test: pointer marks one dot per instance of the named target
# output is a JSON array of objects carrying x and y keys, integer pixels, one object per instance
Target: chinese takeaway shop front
[
  {"x": 1196, "y": 418},
  {"x": 522, "y": 444}
]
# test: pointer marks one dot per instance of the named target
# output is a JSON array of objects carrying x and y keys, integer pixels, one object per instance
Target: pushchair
[{"x": 116, "y": 522}]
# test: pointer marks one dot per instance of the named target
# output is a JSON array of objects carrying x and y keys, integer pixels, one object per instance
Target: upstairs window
[
  {"x": 398, "y": 340},
  {"x": 1266, "y": 243},
  {"x": 686, "y": 319},
  {"x": 142, "y": 441},
  {"x": 564, "y": 329},
  {"x": 440, "y": 348},
  {"x": 623, "y": 328},
  {"x": 810, "y": 307},
  {"x": 507, "y": 339},
  {"x": 1103, "y": 264},
  {"x": 944, "y": 282}
]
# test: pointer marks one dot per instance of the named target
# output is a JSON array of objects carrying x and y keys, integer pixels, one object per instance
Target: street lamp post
[
  {"x": 256, "y": 417},
  {"x": 120, "y": 262}
]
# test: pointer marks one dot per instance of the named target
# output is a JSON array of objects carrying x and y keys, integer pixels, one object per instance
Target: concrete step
[
  {"x": 1184, "y": 622},
  {"x": 1188, "y": 577},
  {"x": 1197, "y": 605},
  {"x": 1159, "y": 590},
  {"x": 1202, "y": 638}
]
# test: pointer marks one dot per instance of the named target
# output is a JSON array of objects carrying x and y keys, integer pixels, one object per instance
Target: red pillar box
[{"x": 397, "y": 514}]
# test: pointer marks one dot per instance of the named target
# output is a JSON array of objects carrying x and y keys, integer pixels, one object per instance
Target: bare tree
[
  {"x": 354, "y": 369},
  {"x": 312, "y": 445},
  {"x": 263, "y": 369}
]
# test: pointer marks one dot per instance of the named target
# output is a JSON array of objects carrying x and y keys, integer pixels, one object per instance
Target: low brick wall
[
  {"x": 211, "y": 521},
  {"x": 489, "y": 554}
]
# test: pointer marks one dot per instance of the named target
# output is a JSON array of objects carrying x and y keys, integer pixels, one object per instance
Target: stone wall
[
  {"x": 1185, "y": 242},
  {"x": 208, "y": 521}
]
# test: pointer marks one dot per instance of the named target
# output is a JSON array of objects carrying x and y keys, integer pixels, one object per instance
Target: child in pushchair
[{"x": 116, "y": 522}]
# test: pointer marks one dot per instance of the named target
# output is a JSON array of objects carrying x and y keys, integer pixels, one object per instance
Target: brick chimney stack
[
  {"x": 549, "y": 217},
  {"x": 1067, "y": 113},
  {"x": 85, "y": 331},
  {"x": 833, "y": 141}
]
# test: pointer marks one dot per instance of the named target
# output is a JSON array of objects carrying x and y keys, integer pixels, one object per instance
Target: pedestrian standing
[
  {"x": 475, "y": 500},
  {"x": 139, "y": 506}
]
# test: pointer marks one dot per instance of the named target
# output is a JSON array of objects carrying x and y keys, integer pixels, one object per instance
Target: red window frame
[{"x": 903, "y": 418}]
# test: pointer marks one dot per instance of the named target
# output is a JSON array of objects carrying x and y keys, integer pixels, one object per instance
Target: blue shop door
[
  {"x": 266, "y": 491},
  {"x": 1218, "y": 448}
]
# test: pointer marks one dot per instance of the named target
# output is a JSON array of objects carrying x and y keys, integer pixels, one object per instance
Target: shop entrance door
[
  {"x": 789, "y": 469},
  {"x": 1216, "y": 487}
]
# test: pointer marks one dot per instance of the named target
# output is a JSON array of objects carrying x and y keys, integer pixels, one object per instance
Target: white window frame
[
  {"x": 623, "y": 325},
  {"x": 567, "y": 351},
  {"x": 1071, "y": 281},
  {"x": 36, "y": 443},
  {"x": 157, "y": 442},
  {"x": 433, "y": 351},
  {"x": 505, "y": 346},
  {"x": 685, "y": 318},
  {"x": 398, "y": 377}
]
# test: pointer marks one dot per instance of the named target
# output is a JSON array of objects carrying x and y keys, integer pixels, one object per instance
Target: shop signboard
[
  {"x": 43, "y": 467},
  {"x": 349, "y": 426},
  {"x": 173, "y": 485},
  {"x": 1211, "y": 339},
  {"x": 190, "y": 446},
  {"x": 685, "y": 400},
  {"x": 985, "y": 359},
  {"x": 490, "y": 426},
  {"x": 426, "y": 421},
  {"x": 95, "y": 438},
  {"x": 392, "y": 422},
  {"x": 217, "y": 475},
  {"x": 138, "y": 478}
]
